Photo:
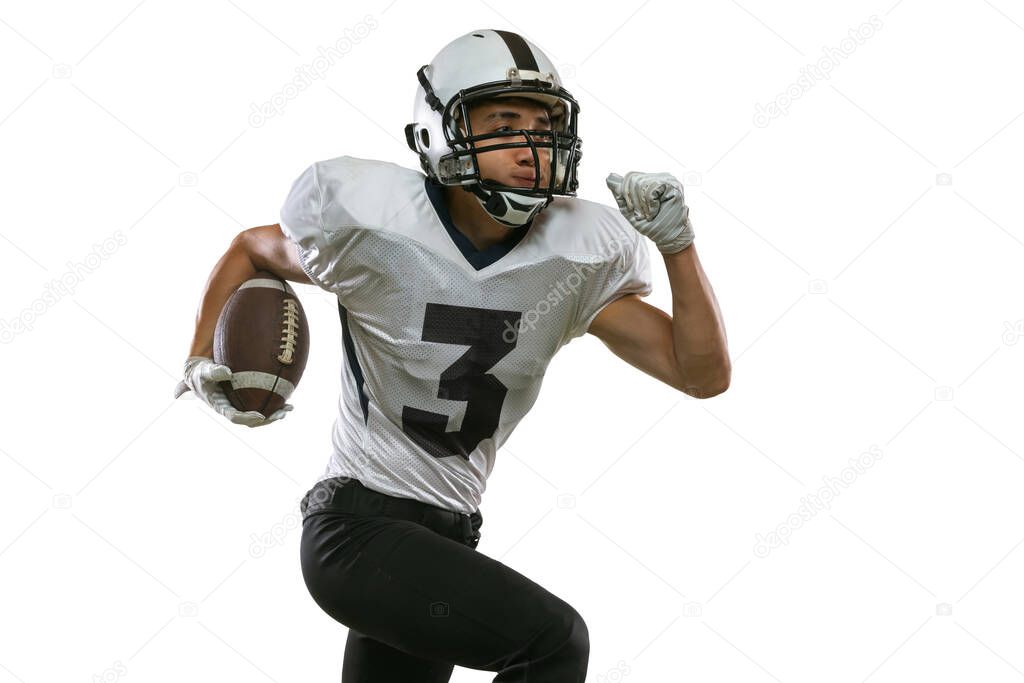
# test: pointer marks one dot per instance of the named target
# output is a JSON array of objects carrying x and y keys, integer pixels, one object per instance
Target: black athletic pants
[{"x": 417, "y": 598}]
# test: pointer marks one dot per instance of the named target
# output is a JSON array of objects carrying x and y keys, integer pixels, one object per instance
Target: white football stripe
[
  {"x": 264, "y": 282},
  {"x": 254, "y": 379}
]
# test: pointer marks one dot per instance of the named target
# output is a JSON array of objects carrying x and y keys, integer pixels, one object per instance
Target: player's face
[{"x": 512, "y": 166}]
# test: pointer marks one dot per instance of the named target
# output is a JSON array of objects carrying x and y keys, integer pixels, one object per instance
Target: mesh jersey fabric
[{"x": 445, "y": 351}]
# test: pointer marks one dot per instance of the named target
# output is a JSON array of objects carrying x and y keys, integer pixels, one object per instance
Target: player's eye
[{"x": 501, "y": 128}]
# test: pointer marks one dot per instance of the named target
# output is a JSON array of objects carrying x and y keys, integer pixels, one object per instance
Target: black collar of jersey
[{"x": 478, "y": 258}]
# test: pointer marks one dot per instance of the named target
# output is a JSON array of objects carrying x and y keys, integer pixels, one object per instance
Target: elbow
[
  {"x": 705, "y": 390},
  {"x": 713, "y": 389},
  {"x": 243, "y": 243},
  {"x": 709, "y": 386}
]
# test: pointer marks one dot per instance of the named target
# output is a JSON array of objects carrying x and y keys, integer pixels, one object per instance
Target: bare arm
[
  {"x": 262, "y": 248},
  {"x": 688, "y": 350}
]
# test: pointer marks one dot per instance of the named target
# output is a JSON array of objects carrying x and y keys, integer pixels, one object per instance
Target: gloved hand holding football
[
  {"x": 260, "y": 347},
  {"x": 204, "y": 377}
]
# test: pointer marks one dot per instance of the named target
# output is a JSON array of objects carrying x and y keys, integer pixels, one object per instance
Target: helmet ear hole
[
  {"x": 425, "y": 138},
  {"x": 409, "y": 140}
]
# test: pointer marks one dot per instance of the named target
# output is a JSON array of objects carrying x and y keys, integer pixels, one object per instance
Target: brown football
[{"x": 263, "y": 336}]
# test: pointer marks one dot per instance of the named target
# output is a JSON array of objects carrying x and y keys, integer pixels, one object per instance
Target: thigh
[{"x": 405, "y": 586}]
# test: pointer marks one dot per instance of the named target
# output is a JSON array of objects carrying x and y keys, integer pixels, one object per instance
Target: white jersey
[{"x": 445, "y": 346}]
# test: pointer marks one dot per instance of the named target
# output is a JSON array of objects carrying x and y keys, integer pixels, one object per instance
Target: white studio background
[{"x": 849, "y": 510}]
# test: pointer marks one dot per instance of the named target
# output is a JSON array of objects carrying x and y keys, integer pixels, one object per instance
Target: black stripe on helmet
[{"x": 521, "y": 53}]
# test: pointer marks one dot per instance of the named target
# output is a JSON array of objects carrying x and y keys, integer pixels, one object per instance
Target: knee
[
  {"x": 579, "y": 637},
  {"x": 567, "y": 635}
]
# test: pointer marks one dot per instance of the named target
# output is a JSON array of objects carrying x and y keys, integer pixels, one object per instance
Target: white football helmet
[{"x": 481, "y": 65}]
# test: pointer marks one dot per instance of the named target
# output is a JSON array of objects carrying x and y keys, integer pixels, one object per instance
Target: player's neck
[{"x": 472, "y": 221}]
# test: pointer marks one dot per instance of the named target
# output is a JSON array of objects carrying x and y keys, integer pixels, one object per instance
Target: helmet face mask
[
  {"x": 559, "y": 144},
  {"x": 482, "y": 67}
]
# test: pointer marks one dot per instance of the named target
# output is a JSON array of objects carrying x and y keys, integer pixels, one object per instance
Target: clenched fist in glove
[
  {"x": 653, "y": 204},
  {"x": 203, "y": 377}
]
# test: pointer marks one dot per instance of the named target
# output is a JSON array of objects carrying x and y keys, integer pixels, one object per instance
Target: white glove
[
  {"x": 203, "y": 376},
  {"x": 653, "y": 204}
]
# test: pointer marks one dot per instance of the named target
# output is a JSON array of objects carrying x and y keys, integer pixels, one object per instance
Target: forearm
[
  {"x": 698, "y": 332},
  {"x": 233, "y": 268}
]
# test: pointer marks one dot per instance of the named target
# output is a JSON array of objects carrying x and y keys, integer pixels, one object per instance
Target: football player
[{"x": 456, "y": 286}]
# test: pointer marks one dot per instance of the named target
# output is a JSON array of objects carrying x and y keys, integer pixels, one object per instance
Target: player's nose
[{"x": 524, "y": 154}]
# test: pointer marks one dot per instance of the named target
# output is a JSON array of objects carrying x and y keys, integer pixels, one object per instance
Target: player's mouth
[{"x": 523, "y": 181}]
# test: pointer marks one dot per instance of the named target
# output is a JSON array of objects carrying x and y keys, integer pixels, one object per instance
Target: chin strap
[{"x": 508, "y": 208}]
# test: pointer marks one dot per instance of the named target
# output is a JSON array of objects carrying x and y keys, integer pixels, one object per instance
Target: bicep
[
  {"x": 270, "y": 249},
  {"x": 641, "y": 335}
]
